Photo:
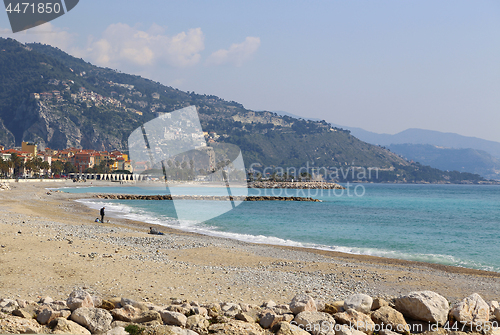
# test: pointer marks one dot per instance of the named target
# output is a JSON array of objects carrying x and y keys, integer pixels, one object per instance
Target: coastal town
[
  {"x": 122, "y": 101},
  {"x": 28, "y": 161}
]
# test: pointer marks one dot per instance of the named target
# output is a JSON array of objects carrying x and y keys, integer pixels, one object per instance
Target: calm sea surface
[{"x": 447, "y": 224}]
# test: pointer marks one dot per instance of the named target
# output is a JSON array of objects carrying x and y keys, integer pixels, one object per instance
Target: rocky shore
[
  {"x": 359, "y": 314},
  {"x": 296, "y": 185},
  {"x": 201, "y": 197}
]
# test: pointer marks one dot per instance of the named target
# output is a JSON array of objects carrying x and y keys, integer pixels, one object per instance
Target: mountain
[
  {"x": 97, "y": 108},
  {"x": 282, "y": 113},
  {"x": 432, "y": 137},
  {"x": 463, "y": 160},
  {"x": 59, "y": 101}
]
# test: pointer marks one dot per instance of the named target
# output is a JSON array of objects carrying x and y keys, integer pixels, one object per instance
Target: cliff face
[
  {"x": 52, "y": 126},
  {"x": 6, "y": 137}
]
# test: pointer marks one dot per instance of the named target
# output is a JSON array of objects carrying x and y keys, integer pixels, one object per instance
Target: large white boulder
[
  {"x": 94, "y": 319},
  {"x": 173, "y": 318},
  {"x": 424, "y": 306},
  {"x": 472, "y": 310},
  {"x": 79, "y": 298},
  {"x": 302, "y": 303},
  {"x": 360, "y": 302}
]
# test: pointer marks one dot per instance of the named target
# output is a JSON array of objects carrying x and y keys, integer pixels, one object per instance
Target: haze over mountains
[
  {"x": 432, "y": 137},
  {"x": 446, "y": 151}
]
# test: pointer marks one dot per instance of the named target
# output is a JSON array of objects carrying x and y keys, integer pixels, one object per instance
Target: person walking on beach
[{"x": 102, "y": 214}]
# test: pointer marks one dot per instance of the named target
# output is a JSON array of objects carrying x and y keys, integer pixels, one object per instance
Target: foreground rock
[
  {"x": 390, "y": 318},
  {"x": 47, "y": 315},
  {"x": 360, "y": 302},
  {"x": 301, "y": 317},
  {"x": 316, "y": 323},
  {"x": 197, "y": 323},
  {"x": 79, "y": 298},
  {"x": 269, "y": 320},
  {"x": 472, "y": 310},
  {"x": 424, "y": 306},
  {"x": 379, "y": 302},
  {"x": 132, "y": 314},
  {"x": 8, "y": 305},
  {"x": 236, "y": 327},
  {"x": 302, "y": 303},
  {"x": 346, "y": 330},
  {"x": 17, "y": 325},
  {"x": 356, "y": 320},
  {"x": 173, "y": 318},
  {"x": 284, "y": 328},
  {"x": 94, "y": 319},
  {"x": 64, "y": 326}
]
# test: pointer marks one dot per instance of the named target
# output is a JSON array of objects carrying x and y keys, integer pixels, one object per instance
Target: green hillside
[{"x": 86, "y": 106}]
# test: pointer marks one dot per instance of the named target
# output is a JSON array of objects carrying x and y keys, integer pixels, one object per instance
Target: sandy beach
[{"x": 50, "y": 245}]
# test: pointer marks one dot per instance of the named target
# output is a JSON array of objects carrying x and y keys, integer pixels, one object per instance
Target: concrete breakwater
[
  {"x": 201, "y": 197},
  {"x": 296, "y": 185}
]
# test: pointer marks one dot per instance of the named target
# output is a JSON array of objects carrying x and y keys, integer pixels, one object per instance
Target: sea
[{"x": 454, "y": 225}]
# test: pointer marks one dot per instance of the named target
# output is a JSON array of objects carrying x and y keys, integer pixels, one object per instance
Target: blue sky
[{"x": 384, "y": 66}]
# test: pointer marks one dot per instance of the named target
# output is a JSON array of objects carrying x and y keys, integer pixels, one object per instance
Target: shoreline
[
  {"x": 192, "y": 265},
  {"x": 316, "y": 250},
  {"x": 280, "y": 242},
  {"x": 321, "y": 251}
]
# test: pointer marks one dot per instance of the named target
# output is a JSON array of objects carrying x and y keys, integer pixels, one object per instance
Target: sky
[{"x": 383, "y": 66}]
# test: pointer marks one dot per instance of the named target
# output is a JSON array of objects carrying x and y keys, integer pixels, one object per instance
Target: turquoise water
[{"x": 446, "y": 224}]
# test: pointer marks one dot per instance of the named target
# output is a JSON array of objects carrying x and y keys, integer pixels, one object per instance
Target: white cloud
[
  {"x": 237, "y": 53},
  {"x": 46, "y": 33},
  {"x": 121, "y": 45}
]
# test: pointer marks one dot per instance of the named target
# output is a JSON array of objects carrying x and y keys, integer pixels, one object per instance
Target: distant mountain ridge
[
  {"x": 462, "y": 160},
  {"x": 432, "y": 137},
  {"x": 445, "y": 151}
]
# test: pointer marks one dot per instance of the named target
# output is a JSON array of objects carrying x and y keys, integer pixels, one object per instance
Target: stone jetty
[
  {"x": 296, "y": 185},
  {"x": 424, "y": 312},
  {"x": 201, "y": 197}
]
